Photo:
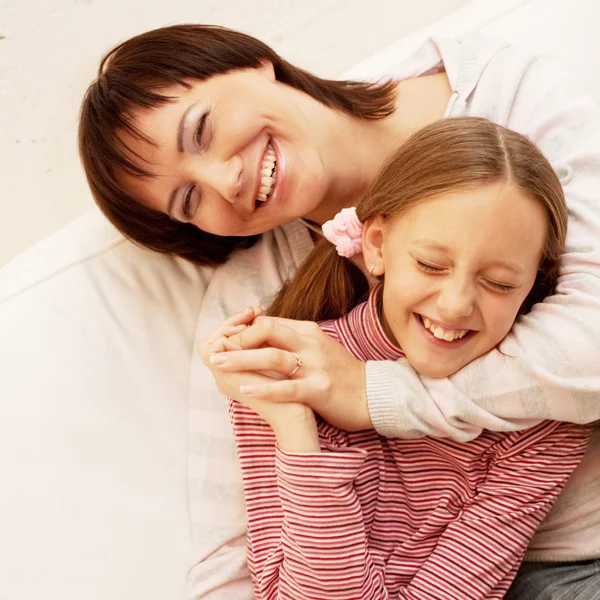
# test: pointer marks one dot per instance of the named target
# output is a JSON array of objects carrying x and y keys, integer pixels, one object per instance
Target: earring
[{"x": 371, "y": 270}]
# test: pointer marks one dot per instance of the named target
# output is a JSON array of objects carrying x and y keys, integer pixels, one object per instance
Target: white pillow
[{"x": 96, "y": 338}]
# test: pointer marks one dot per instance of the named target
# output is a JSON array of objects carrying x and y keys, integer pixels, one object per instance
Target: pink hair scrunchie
[{"x": 344, "y": 231}]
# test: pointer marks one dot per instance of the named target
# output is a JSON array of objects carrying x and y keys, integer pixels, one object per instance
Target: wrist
[{"x": 297, "y": 431}]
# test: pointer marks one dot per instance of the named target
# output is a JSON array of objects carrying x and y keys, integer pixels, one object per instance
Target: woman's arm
[{"x": 547, "y": 367}]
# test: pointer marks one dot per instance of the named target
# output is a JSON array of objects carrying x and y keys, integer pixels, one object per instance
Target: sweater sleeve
[
  {"x": 323, "y": 547},
  {"x": 548, "y": 366},
  {"x": 478, "y": 555},
  {"x": 324, "y": 553}
]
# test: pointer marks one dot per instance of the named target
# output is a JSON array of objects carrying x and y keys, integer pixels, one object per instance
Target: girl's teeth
[{"x": 442, "y": 334}]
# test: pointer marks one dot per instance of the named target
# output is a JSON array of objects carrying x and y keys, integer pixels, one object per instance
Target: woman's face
[
  {"x": 235, "y": 155},
  {"x": 457, "y": 266}
]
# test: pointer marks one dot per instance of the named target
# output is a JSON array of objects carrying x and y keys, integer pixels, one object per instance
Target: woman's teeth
[
  {"x": 268, "y": 174},
  {"x": 448, "y": 335}
]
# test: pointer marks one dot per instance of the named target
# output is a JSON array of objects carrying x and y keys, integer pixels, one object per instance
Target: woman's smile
[{"x": 272, "y": 172}]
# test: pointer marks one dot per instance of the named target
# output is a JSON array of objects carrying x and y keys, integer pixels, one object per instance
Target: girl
[{"x": 465, "y": 225}]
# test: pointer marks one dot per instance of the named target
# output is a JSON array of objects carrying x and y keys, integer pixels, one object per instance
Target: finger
[
  {"x": 228, "y": 345},
  {"x": 223, "y": 330},
  {"x": 264, "y": 359},
  {"x": 304, "y": 327},
  {"x": 218, "y": 346},
  {"x": 244, "y": 317},
  {"x": 229, "y": 383},
  {"x": 266, "y": 331},
  {"x": 285, "y": 390}
]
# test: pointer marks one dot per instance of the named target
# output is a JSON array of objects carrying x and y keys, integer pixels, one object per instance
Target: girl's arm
[
  {"x": 322, "y": 547},
  {"x": 323, "y": 551},
  {"x": 478, "y": 555}
]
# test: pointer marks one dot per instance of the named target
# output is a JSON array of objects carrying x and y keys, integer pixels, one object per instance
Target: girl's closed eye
[
  {"x": 428, "y": 268},
  {"x": 500, "y": 287}
]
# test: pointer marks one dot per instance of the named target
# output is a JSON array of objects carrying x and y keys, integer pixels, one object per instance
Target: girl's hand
[
  {"x": 294, "y": 424},
  {"x": 330, "y": 380},
  {"x": 221, "y": 341}
]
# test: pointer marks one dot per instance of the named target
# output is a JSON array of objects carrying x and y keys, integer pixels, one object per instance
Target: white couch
[{"x": 95, "y": 354}]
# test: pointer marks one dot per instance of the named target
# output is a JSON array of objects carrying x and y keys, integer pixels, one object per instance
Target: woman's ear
[
  {"x": 372, "y": 244},
  {"x": 267, "y": 69}
]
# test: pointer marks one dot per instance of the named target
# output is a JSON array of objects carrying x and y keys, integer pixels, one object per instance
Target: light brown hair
[
  {"x": 448, "y": 155},
  {"x": 132, "y": 76}
]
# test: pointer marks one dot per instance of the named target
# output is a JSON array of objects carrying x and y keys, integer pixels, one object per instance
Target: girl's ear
[{"x": 372, "y": 244}]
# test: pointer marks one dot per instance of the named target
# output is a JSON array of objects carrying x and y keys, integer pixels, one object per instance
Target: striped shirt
[{"x": 374, "y": 518}]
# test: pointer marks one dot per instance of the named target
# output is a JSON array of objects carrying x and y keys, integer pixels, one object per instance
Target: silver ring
[
  {"x": 298, "y": 365},
  {"x": 371, "y": 270}
]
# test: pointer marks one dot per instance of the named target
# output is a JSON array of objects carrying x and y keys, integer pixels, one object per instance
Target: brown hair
[
  {"x": 132, "y": 75},
  {"x": 447, "y": 155}
]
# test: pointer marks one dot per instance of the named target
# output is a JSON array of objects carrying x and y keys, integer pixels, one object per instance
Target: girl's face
[
  {"x": 457, "y": 268},
  {"x": 235, "y": 155}
]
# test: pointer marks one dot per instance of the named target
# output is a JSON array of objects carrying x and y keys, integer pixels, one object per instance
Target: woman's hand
[
  {"x": 330, "y": 380},
  {"x": 294, "y": 424}
]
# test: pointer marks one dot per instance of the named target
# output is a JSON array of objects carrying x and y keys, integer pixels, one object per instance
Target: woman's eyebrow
[{"x": 182, "y": 125}]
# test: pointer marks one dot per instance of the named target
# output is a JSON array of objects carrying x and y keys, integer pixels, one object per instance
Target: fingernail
[
  {"x": 248, "y": 390},
  {"x": 218, "y": 359}
]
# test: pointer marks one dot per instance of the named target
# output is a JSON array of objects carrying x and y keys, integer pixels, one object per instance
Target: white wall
[{"x": 49, "y": 51}]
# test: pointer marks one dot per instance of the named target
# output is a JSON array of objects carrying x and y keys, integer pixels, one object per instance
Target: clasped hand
[{"x": 251, "y": 357}]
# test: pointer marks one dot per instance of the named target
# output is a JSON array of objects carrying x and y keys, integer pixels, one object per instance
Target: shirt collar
[{"x": 366, "y": 329}]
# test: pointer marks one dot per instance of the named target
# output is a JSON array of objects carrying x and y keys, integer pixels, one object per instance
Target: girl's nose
[{"x": 455, "y": 300}]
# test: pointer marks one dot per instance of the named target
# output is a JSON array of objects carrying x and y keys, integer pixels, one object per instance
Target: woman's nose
[
  {"x": 224, "y": 178},
  {"x": 455, "y": 300}
]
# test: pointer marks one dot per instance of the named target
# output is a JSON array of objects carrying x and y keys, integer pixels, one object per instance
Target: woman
[{"x": 181, "y": 125}]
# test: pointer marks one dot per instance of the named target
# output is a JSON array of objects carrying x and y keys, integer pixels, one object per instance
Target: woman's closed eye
[
  {"x": 202, "y": 132},
  {"x": 189, "y": 204},
  {"x": 190, "y": 201}
]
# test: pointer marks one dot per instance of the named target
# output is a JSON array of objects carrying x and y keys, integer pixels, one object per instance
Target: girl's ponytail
[{"x": 326, "y": 286}]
